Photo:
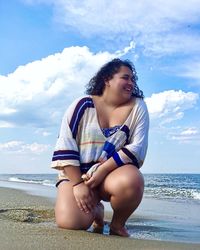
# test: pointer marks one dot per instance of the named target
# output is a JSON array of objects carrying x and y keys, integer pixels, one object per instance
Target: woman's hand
[
  {"x": 84, "y": 197},
  {"x": 96, "y": 178},
  {"x": 97, "y": 173}
]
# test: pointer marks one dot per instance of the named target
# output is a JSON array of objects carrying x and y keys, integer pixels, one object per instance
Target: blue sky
[{"x": 50, "y": 49}]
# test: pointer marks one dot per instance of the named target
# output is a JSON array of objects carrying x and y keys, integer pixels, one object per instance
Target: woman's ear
[{"x": 107, "y": 83}]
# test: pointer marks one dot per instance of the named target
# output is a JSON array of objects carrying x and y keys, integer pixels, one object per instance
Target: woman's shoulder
[
  {"x": 140, "y": 101},
  {"x": 140, "y": 104},
  {"x": 81, "y": 101},
  {"x": 84, "y": 98}
]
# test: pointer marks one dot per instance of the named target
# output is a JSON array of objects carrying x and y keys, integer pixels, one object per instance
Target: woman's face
[{"x": 122, "y": 83}]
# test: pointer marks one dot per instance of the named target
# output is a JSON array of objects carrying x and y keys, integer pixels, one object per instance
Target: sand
[{"x": 27, "y": 222}]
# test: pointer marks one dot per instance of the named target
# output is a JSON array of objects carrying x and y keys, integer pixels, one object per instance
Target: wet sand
[{"x": 27, "y": 222}]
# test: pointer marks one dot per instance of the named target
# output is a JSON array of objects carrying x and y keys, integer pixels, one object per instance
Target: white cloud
[
  {"x": 4, "y": 124},
  {"x": 46, "y": 133},
  {"x": 190, "y": 131},
  {"x": 191, "y": 70},
  {"x": 158, "y": 27},
  {"x": 7, "y": 111},
  {"x": 37, "y": 93},
  {"x": 127, "y": 49},
  {"x": 186, "y": 136},
  {"x": 42, "y": 132},
  {"x": 170, "y": 105},
  {"x": 22, "y": 147}
]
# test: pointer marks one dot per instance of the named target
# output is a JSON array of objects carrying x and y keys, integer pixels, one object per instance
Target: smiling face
[{"x": 122, "y": 84}]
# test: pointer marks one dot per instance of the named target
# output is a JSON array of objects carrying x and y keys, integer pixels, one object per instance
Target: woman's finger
[
  {"x": 93, "y": 185},
  {"x": 84, "y": 177},
  {"x": 79, "y": 205},
  {"x": 90, "y": 202},
  {"x": 85, "y": 207},
  {"x": 90, "y": 181}
]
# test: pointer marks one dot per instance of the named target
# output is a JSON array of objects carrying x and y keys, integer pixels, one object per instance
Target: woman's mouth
[{"x": 128, "y": 89}]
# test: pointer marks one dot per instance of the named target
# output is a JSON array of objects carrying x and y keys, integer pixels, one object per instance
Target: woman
[{"x": 101, "y": 146}]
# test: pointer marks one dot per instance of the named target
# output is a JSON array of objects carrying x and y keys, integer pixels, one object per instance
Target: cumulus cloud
[
  {"x": 22, "y": 147},
  {"x": 170, "y": 105},
  {"x": 156, "y": 27},
  {"x": 37, "y": 93}
]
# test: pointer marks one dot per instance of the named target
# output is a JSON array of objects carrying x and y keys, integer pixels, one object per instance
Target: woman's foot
[
  {"x": 120, "y": 231},
  {"x": 98, "y": 222}
]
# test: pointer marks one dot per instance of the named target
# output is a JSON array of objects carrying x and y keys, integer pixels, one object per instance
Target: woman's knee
[
  {"x": 128, "y": 180},
  {"x": 133, "y": 180},
  {"x": 73, "y": 221}
]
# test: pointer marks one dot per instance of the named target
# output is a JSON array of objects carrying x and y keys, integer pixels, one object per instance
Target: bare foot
[
  {"x": 120, "y": 232},
  {"x": 98, "y": 223}
]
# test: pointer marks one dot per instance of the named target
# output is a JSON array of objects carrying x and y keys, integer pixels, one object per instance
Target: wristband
[{"x": 79, "y": 182}]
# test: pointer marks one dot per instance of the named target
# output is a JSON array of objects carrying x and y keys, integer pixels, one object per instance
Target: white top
[{"x": 81, "y": 141}]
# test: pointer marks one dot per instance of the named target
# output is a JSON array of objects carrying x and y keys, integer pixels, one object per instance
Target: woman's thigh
[
  {"x": 121, "y": 180},
  {"x": 67, "y": 213}
]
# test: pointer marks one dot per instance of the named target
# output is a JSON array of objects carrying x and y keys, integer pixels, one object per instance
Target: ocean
[
  {"x": 179, "y": 187},
  {"x": 169, "y": 210}
]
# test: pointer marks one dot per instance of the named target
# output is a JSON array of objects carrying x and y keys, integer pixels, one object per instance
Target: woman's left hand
[{"x": 96, "y": 178}]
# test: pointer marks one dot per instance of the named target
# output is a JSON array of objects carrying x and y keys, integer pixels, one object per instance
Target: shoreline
[
  {"x": 22, "y": 213},
  {"x": 28, "y": 221}
]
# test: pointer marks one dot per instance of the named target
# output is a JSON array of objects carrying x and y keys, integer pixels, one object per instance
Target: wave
[
  {"x": 167, "y": 187},
  {"x": 173, "y": 193},
  {"x": 196, "y": 195},
  {"x": 41, "y": 182}
]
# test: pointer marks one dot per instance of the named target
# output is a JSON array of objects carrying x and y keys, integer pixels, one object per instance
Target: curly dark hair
[{"x": 96, "y": 84}]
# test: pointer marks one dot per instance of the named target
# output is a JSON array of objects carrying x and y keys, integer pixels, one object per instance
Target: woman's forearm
[
  {"x": 73, "y": 173},
  {"x": 108, "y": 166}
]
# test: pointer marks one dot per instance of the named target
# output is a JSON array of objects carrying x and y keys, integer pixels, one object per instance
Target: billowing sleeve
[
  {"x": 134, "y": 151},
  {"x": 66, "y": 150}
]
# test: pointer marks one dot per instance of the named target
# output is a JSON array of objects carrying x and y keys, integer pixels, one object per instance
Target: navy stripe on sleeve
[
  {"x": 126, "y": 130},
  {"x": 109, "y": 148},
  {"x": 82, "y": 105},
  {"x": 131, "y": 156},
  {"x": 66, "y": 152},
  {"x": 117, "y": 159},
  {"x": 66, "y": 155}
]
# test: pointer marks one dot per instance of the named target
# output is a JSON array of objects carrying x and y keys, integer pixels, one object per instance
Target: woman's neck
[{"x": 112, "y": 101}]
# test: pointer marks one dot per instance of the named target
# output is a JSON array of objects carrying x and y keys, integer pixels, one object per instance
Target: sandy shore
[{"x": 27, "y": 222}]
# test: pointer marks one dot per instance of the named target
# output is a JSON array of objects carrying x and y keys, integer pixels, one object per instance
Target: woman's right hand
[{"x": 84, "y": 197}]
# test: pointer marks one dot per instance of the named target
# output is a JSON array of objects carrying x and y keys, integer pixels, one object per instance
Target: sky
[{"x": 49, "y": 50}]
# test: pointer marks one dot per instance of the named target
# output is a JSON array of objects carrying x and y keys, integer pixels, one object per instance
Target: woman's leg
[
  {"x": 67, "y": 213},
  {"x": 124, "y": 188}
]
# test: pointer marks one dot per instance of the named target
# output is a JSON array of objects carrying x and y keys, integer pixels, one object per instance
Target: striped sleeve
[
  {"x": 66, "y": 150},
  {"x": 134, "y": 151}
]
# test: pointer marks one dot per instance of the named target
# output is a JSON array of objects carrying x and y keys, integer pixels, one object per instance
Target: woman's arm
[
  {"x": 73, "y": 173},
  {"x": 132, "y": 153},
  {"x": 66, "y": 158},
  {"x": 66, "y": 151},
  {"x": 82, "y": 193},
  {"x": 135, "y": 151},
  {"x": 102, "y": 171}
]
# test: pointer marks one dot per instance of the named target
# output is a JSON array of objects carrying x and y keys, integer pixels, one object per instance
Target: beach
[{"x": 27, "y": 222}]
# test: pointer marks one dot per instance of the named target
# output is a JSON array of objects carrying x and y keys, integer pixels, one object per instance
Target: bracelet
[{"x": 79, "y": 182}]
